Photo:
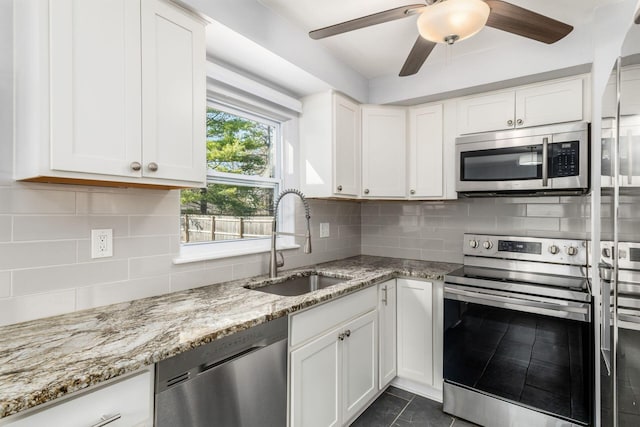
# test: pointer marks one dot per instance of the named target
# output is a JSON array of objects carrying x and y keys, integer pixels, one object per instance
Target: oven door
[{"x": 520, "y": 351}]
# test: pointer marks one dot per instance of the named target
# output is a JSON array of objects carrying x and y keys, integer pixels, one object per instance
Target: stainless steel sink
[{"x": 298, "y": 285}]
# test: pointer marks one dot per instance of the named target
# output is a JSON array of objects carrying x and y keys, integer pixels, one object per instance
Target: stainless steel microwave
[{"x": 545, "y": 160}]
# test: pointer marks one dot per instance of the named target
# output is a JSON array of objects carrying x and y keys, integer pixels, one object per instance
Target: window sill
[{"x": 211, "y": 251}]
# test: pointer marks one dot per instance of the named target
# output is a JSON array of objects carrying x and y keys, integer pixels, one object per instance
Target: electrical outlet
[
  {"x": 324, "y": 229},
  {"x": 102, "y": 243}
]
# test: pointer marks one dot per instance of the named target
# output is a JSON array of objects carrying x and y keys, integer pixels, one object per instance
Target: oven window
[
  {"x": 504, "y": 164},
  {"x": 538, "y": 361}
]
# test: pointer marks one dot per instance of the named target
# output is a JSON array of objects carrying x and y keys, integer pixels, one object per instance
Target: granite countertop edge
[{"x": 46, "y": 359}]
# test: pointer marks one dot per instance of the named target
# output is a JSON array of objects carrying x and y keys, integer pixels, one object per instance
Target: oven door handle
[
  {"x": 545, "y": 162},
  {"x": 572, "y": 310}
]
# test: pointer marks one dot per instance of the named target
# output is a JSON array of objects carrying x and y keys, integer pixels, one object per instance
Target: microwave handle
[{"x": 545, "y": 162}]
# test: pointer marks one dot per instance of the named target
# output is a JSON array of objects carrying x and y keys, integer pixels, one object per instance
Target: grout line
[{"x": 400, "y": 413}]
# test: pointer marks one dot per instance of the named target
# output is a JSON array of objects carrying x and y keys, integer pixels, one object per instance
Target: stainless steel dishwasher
[{"x": 236, "y": 381}]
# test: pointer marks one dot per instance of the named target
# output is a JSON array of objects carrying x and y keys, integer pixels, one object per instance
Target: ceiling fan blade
[
  {"x": 366, "y": 21},
  {"x": 419, "y": 53},
  {"x": 523, "y": 22}
]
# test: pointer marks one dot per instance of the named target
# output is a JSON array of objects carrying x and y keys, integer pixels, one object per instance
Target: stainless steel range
[{"x": 518, "y": 341}]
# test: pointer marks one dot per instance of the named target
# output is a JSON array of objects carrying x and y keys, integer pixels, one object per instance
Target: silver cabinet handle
[
  {"x": 366, "y": 191},
  {"x": 509, "y": 122},
  {"x": 519, "y": 122},
  {"x": 136, "y": 166},
  {"x": 104, "y": 420},
  {"x": 384, "y": 300},
  {"x": 339, "y": 187},
  {"x": 545, "y": 165},
  {"x": 412, "y": 191},
  {"x": 629, "y": 158},
  {"x": 153, "y": 166}
]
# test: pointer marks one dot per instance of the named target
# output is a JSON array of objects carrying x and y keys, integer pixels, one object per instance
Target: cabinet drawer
[
  {"x": 315, "y": 321},
  {"x": 129, "y": 398}
]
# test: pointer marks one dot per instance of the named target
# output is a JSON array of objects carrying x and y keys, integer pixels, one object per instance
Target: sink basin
[{"x": 298, "y": 285}]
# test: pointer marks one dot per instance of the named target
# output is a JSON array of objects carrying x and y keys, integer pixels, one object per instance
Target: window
[{"x": 243, "y": 179}]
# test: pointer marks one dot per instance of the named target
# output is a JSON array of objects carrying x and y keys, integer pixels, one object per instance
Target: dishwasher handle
[{"x": 207, "y": 366}]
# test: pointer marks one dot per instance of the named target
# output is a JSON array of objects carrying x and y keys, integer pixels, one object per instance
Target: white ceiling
[{"x": 382, "y": 49}]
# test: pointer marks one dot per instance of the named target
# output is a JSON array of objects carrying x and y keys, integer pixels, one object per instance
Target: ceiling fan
[{"x": 449, "y": 21}]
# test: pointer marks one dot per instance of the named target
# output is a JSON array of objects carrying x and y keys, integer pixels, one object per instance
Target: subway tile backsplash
[
  {"x": 46, "y": 267},
  {"x": 45, "y": 247},
  {"x": 434, "y": 230}
]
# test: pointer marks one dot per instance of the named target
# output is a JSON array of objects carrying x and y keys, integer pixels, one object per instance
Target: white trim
[
  {"x": 218, "y": 250},
  {"x": 231, "y": 78}
]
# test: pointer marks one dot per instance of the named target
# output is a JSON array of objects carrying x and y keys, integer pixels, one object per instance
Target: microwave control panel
[{"x": 564, "y": 159}]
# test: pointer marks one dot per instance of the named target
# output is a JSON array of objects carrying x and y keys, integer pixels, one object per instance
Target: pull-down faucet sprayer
[{"x": 273, "y": 262}]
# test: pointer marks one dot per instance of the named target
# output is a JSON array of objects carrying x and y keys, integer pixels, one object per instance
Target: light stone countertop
[{"x": 45, "y": 359}]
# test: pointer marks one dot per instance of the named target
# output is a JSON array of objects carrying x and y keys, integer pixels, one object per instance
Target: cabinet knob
[
  {"x": 339, "y": 187},
  {"x": 136, "y": 166},
  {"x": 366, "y": 191},
  {"x": 509, "y": 122},
  {"x": 519, "y": 122},
  {"x": 347, "y": 333},
  {"x": 341, "y": 337},
  {"x": 412, "y": 191},
  {"x": 153, "y": 166}
]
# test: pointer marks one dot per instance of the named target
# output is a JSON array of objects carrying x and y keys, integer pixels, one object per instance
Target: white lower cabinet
[
  {"x": 129, "y": 402},
  {"x": 387, "y": 331},
  {"x": 420, "y": 336},
  {"x": 334, "y": 374}
]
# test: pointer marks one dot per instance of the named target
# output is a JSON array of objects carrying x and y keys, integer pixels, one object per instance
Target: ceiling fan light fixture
[{"x": 449, "y": 21}]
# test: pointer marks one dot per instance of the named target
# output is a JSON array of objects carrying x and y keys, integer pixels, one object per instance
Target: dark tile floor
[{"x": 399, "y": 408}]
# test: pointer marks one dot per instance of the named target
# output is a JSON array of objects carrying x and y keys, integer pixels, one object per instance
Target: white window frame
[{"x": 200, "y": 251}]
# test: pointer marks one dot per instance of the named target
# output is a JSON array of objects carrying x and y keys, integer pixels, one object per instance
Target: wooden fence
[{"x": 205, "y": 228}]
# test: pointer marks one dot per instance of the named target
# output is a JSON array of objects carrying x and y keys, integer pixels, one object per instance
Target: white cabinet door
[
  {"x": 316, "y": 373},
  {"x": 415, "y": 330},
  {"x": 130, "y": 399},
  {"x": 387, "y": 337},
  {"x": 535, "y": 105},
  {"x": 174, "y": 93},
  {"x": 549, "y": 103},
  {"x": 426, "y": 160},
  {"x": 346, "y": 146},
  {"x": 384, "y": 140},
  {"x": 486, "y": 113},
  {"x": 360, "y": 358},
  {"x": 95, "y": 86}
]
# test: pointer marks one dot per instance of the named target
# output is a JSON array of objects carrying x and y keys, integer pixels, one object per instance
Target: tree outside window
[{"x": 243, "y": 178}]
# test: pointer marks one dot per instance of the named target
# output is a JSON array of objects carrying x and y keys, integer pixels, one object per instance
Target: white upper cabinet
[
  {"x": 486, "y": 112},
  {"x": 330, "y": 146},
  {"x": 112, "y": 92},
  {"x": 174, "y": 93},
  {"x": 384, "y": 141},
  {"x": 534, "y": 105},
  {"x": 426, "y": 160}
]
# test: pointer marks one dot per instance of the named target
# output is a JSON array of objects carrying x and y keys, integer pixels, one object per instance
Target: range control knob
[
  {"x": 553, "y": 249},
  {"x": 487, "y": 244},
  {"x": 473, "y": 243},
  {"x": 572, "y": 250}
]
